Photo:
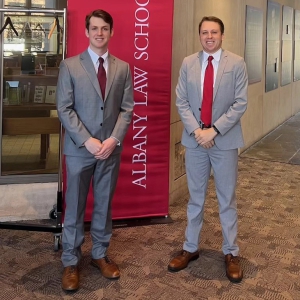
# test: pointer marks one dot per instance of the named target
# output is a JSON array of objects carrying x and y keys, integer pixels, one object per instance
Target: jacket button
[
  {"x": 101, "y": 124},
  {"x": 199, "y": 108},
  {"x": 101, "y": 108}
]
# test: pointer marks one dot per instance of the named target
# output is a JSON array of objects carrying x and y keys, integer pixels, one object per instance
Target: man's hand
[
  {"x": 108, "y": 146},
  {"x": 93, "y": 145},
  {"x": 205, "y": 137},
  {"x": 208, "y": 144}
]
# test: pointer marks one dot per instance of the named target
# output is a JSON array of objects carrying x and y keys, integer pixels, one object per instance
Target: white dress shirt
[
  {"x": 95, "y": 60},
  {"x": 215, "y": 63}
]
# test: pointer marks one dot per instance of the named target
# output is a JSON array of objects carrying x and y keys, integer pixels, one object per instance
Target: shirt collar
[
  {"x": 94, "y": 56},
  {"x": 216, "y": 55}
]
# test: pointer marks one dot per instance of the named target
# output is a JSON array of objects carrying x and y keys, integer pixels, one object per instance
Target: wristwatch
[{"x": 216, "y": 129}]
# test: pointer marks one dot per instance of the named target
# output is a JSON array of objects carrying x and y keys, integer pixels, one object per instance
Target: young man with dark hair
[{"x": 94, "y": 104}]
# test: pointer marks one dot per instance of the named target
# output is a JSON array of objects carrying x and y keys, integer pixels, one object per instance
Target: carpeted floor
[
  {"x": 269, "y": 238},
  {"x": 268, "y": 194}
]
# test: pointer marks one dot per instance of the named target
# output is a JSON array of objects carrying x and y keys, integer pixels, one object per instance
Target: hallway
[{"x": 281, "y": 145}]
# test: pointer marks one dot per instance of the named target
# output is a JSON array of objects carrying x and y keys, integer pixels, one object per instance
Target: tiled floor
[
  {"x": 21, "y": 155},
  {"x": 281, "y": 145}
]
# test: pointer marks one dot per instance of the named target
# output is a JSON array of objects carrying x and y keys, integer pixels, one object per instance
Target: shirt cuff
[
  {"x": 84, "y": 142},
  {"x": 119, "y": 143}
]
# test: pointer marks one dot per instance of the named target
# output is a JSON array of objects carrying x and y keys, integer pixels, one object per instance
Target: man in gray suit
[
  {"x": 95, "y": 111},
  {"x": 213, "y": 145}
]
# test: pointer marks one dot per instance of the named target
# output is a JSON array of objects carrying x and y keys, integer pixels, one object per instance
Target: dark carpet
[{"x": 269, "y": 238}]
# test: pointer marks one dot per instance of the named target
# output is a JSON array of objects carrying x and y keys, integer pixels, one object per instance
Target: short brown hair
[
  {"x": 213, "y": 19},
  {"x": 99, "y": 13}
]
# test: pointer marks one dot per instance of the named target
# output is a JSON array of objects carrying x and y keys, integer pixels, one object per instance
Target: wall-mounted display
[
  {"x": 272, "y": 53},
  {"x": 297, "y": 46},
  {"x": 253, "y": 43},
  {"x": 287, "y": 45}
]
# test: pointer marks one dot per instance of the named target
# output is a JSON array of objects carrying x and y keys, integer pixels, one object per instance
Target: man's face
[
  {"x": 99, "y": 34},
  {"x": 210, "y": 36}
]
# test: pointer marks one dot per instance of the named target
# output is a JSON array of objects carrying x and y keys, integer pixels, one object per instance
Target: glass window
[
  {"x": 49, "y": 4},
  {"x": 43, "y": 3},
  {"x": 30, "y": 126},
  {"x": 14, "y": 2}
]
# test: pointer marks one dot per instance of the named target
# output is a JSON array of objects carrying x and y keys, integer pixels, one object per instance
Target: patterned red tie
[
  {"x": 208, "y": 90},
  {"x": 101, "y": 76}
]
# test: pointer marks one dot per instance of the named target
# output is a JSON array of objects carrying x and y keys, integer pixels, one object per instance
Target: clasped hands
[
  {"x": 100, "y": 150},
  {"x": 205, "y": 137}
]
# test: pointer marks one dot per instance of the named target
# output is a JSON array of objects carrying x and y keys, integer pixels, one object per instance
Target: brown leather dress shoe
[
  {"x": 108, "y": 268},
  {"x": 70, "y": 278},
  {"x": 234, "y": 270},
  {"x": 182, "y": 260}
]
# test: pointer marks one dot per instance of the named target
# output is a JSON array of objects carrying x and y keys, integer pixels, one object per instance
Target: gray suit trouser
[
  {"x": 224, "y": 163},
  {"x": 80, "y": 172}
]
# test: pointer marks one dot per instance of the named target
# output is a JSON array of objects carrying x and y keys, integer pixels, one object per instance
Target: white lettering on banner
[
  {"x": 140, "y": 142},
  {"x": 141, "y": 41},
  {"x": 140, "y": 82},
  {"x": 142, "y": 14},
  {"x": 140, "y": 180},
  {"x": 142, "y": 4}
]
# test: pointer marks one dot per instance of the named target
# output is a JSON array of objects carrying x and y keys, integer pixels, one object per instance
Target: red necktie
[
  {"x": 101, "y": 76},
  {"x": 208, "y": 90}
]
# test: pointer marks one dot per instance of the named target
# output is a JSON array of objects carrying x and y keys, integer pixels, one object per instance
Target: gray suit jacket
[
  {"x": 81, "y": 109},
  {"x": 229, "y": 102}
]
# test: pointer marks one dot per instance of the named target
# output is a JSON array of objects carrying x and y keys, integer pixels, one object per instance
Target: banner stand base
[{"x": 137, "y": 222}]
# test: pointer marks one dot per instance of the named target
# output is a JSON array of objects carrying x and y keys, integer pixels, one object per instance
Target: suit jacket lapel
[
  {"x": 89, "y": 68},
  {"x": 198, "y": 68},
  {"x": 112, "y": 67},
  {"x": 222, "y": 64}
]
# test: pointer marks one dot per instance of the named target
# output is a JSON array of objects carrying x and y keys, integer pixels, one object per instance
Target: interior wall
[
  {"x": 296, "y": 85},
  {"x": 265, "y": 110},
  {"x": 183, "y": 39}
]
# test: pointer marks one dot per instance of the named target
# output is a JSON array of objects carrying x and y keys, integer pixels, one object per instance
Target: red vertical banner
[{"x": 143, "y": 38}]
